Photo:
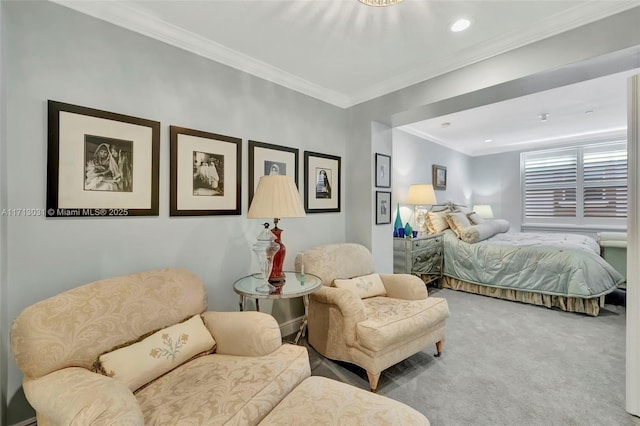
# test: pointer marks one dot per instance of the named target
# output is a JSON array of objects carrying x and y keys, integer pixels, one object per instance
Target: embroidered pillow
[
  {"x": 140, "y": 363},
  {"x": 437, "y": 221},
  {"x": 364, "y": 286},
  {"x": 458, "y": 221}
]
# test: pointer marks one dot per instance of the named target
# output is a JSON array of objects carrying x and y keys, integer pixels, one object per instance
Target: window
[{"x": 585, "y": 185}]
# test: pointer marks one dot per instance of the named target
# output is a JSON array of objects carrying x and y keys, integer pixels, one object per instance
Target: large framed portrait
[
  {"x": 383, "y": 170},
  {"x": 383, "y": 207},
  {"x": 101, "y": 163},
  {"x": 321, "y": 182},
  {"x": 439, "y": 177},
  {"x": 205, "y": 173},
  {"x": 267, "y": 159}
]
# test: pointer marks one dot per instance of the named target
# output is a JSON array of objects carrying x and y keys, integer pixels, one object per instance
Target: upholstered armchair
[{"x": 371, "y": 320}]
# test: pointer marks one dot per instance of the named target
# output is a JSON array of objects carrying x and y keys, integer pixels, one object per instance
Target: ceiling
[{"x": 344, "y": 53}]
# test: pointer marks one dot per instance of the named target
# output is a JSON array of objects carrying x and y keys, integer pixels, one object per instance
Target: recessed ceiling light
[
  {"x": 460, "y": 25},
  {"x": 488, "y": 140},
  {"x": 446, "y": 124},
  {"x": 544, "y": 116},
  {"x": 589, "y": 111}
]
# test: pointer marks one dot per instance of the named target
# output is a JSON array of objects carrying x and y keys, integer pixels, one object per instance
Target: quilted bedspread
[{"x": 551, "y": 263}]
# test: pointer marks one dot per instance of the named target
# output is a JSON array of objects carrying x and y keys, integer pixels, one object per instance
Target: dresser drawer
[
  {"x": 427, "y": 262},
  {"x": 421, "y": 244}
]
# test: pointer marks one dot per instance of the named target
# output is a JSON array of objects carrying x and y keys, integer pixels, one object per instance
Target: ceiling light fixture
[
  {"x": 488, "y": 140},
  {"x": 460, "y": 25},
  {"x": 446, "y": 124},
  {"x": 379, "y": 3},
  {"x": 544, "y": 116}
]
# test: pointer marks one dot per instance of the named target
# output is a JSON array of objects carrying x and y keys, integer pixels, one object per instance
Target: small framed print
[
  {"x": 383, "y": 207},
  {"x": 267, "y": 159},
  {"x": 439, "y": 177},
  {"x": 205, "y": 173},
  {"x": 321, "y": 183},
  {"x": 101, "y": 163},
  {"x": 383, "y": 171}
]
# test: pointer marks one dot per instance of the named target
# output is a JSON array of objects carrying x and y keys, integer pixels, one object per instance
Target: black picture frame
[
  {"x": 383, "y": 171},
  {"x": 101, "y": 163},
  {"x": 383, "y": 207},
  {"x": 206, "y": 173},
  {"x": 321, "y": 197},
  {"x": 265, "y": 155},
  {"x": 439, "y": 177}
]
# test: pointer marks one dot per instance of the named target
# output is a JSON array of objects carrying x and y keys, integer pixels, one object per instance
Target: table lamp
[
  {"x": 420, "y": 194},
  {"x": 483, "y": 210},
  {"x": 276, "y": 197}
]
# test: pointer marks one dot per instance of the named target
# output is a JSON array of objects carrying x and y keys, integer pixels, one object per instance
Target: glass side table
[{"x": 296, "y": 285}]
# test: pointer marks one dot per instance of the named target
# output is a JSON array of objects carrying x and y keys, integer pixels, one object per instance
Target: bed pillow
[
  {"x": 457, "y": 222},
  {"x": 482, "y": 231},
  {"x": 475, "y": 218},
  {"x": 139, "y": 363},
  {"x": 364, "y": 286},
  {"x": 437, "y": 221}
]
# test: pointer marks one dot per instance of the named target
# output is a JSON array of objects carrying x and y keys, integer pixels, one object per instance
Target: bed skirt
[{"x": 570, "y": 304}]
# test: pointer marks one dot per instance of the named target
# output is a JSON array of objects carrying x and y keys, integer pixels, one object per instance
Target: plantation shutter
[
  {"x": 550, "y": 185},
  {"x": 605, "y": 182}
]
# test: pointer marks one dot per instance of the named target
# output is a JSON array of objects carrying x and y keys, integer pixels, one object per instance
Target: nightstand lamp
[
  {"x": 276, "y": 197},
  {"x": 420, "y": 195},
  {"x": 483, "y": 210}
]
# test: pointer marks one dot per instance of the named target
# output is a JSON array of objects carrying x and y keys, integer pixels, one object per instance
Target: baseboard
[
  {"x": 28, "y": 422},
  {"x": 290, "y": 327}
]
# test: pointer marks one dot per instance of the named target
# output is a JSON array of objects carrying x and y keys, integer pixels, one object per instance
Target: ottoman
[{"x": 321, "y": 401}]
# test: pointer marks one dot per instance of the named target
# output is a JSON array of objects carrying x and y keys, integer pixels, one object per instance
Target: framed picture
[
  {"x": 383, "y": 207},
  {"x": 205, "y": 173},
  {"x": 383, "y": 171},
  {"x": 321, "y": 183},
  {"x": 268, "y": 159},
  {"x": 101, "y": 163},
  {"x": 439, "y": 177}
]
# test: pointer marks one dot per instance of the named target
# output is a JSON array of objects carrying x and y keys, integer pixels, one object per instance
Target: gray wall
[
  {"x": 495, "y": 180},
  {"x": 4, "y": 330},
  {"x": 55, "y": 53},
  {"x": 412, "y": 161}
]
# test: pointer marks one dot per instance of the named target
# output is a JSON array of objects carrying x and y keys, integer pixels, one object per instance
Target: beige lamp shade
[
  {"x": 483, "y": 210},
  {"x": 276, "y": 197},
  {"x": 421, "y": 194}
]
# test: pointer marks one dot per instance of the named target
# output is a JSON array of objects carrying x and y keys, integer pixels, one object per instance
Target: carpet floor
[{"x": 507, "y": 363}]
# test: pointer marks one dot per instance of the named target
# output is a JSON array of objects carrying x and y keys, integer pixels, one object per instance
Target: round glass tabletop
[{"x": 296, "y": 285}]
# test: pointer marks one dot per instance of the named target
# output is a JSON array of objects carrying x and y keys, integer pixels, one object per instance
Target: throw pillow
[
  {"x": 475, "y": 218},
  {"x": 139, "y": 363},
  {"x": 437, "y": 221},
  {"x": 482, "y": 231},
  {"x": 364, "y": 286},
  {"x": 458, "y": 221}
]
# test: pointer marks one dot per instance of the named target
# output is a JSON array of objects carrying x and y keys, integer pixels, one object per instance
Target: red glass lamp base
[{"x": 277, "y": 277}]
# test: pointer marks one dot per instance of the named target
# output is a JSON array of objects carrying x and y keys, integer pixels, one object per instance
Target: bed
[{"x": 547, "y": 269}]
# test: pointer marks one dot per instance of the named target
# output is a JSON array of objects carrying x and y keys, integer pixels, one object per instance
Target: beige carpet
[{"x": 507, "y": 363}]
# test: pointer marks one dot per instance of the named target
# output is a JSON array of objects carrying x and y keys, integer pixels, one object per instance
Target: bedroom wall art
[
  {"x": 101, "y": 163},
  {"x": 267, "y": 159},
  {"x": 321, "y": 183},
  {"x": 206, "y": 176},
  {"x": 439, "y": 176},
  {"x": 383, "y": 171}
]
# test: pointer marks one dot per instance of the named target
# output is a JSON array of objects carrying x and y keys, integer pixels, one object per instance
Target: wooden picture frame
[
  {"x": 321, "y": 182},
  {"x": 101, "y": 163},
  {"x": 383, "y": 171},
  {"x": 383, "y": 207},
  {"x": 439, "y": 176},
  {"x": 265, "y": 158},
  {"x": 206, "y": 173}
]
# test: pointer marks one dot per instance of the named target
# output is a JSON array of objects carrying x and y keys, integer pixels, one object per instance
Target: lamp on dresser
[
  {"x": 276, "y": 197},
  {"x": 420, "y": 194}
]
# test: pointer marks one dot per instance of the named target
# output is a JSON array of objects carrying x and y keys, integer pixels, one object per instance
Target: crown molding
[
  {"x": 553, "y": 25},
  {"x": 135, "y": 19}
]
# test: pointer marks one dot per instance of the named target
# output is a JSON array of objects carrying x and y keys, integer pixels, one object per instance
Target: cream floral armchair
[{"x": 364, "y": 321}]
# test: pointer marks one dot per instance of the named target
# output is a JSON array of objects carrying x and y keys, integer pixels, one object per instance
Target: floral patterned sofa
[{"x": 141, "y": 349}]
